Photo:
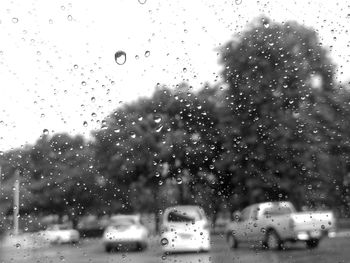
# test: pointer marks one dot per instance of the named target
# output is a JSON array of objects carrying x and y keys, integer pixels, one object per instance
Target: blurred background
[{"x": 130, "y": 108}]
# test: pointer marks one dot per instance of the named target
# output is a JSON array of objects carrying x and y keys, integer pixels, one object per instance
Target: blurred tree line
[{"x": 276, "y": 128}]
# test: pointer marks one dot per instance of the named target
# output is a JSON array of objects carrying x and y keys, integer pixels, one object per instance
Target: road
[{"x": 330, "y": 250}]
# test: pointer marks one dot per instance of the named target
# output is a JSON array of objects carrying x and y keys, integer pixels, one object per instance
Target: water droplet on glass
[
  {"x": 140, "y": 118},
  {"x": 266, "y": 25},
  {"x": 75, "y": 66},
  {"x": 83, "y": 83},
  {"x": 238, "y": 2},
  {"x": 45, "y": 131},
  {"x": 184, "y": 70},
  {"x": 133, "y": 135},
  {"x": 15, "y": 20},
  {"x": 157, "y": 119},
  {"x": 158, "y": 129},
  {"x": 70, "y": 18},
  {"x": 179, "y": 180},
  {"x": 142, "y": 1},
  {"x": 18, "y": 245},
  {"x": 164, "y": 241},
  {"x": 93, "y": 99},
  {"x": 147, "y": 53},
  {"x": 85, "y": 124},
  {"x": 120, "y": 57}
]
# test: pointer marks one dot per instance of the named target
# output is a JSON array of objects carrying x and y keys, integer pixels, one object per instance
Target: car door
[{"x": 242, "y": 231}]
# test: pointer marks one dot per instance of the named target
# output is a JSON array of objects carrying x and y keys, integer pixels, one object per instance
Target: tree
[{"x": 270, "y": 72}]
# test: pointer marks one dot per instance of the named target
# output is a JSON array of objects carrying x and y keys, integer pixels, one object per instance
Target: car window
[
  {"x": 279, "y": 210},
  {"x": 245, "y": 214}
]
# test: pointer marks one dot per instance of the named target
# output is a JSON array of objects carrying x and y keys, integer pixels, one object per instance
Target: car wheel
[
  {"x": 273, "y": 241},
  {"x": 141, "y": 246},
  {"x": 108, "y": 249},
  {"x": 232, "y": 241},
  {"x": 312, "y": 243}
]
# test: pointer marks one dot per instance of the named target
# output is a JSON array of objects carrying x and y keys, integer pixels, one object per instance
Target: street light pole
[{"x": 16, "y": 203}]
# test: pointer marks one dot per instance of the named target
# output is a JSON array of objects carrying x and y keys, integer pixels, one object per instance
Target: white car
[
  {"x": 274, "y": 223},
  {"x": 185, "y": 228},
  {"x": 60, "y": 233},
  {"x": 125, "y": 230}
]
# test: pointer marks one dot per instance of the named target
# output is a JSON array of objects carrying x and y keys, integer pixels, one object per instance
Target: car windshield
[
  {"x": 184, "y": 215},
  {"x": 123, "y": 222}
]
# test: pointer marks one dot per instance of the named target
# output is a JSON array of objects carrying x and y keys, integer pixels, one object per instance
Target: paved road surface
[{"x": 330, "y": 250}]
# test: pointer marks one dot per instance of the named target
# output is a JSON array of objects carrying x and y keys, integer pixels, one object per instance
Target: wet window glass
[{"x": 174, "y": 131}]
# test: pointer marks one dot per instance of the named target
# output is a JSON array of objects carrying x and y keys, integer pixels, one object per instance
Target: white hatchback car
[
  {"x": 60, "y": 233},
  {"x": 125, "y": 230},
  {"x": 185, "y": 228}
]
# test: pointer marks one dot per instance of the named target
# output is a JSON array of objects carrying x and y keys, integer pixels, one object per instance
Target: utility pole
[{"x": 16, "y": 203}]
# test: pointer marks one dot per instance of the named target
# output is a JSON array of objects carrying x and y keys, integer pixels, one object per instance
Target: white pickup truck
[{"x": 274, "y": 223}]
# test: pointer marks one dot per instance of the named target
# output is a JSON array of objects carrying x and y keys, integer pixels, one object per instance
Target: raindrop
[
  {"x": 159, "y": 128},
  {"x": 238, "y": 2},
  {"x": 164, "y": 241},
  {"x": 62, "y": 258},
  {"x": 120, "y": 57},
  {"x": 83, "y": 83},
  {"x": 94, "y": 114},
  {"x": 147, "y": 53},
  {"x": 266, "y": 25},
  {"x": 323, "y": 226},
  {"x": 157, "y": 119},
  {"x": 18, "y": 245},
  {"x": 137, "y": 57},
  {"x": 184, "y": 70},
  {"x": 179, "y": 180},
  {"x": 15, "y": 20},
  {"x": 157, "y": 174},
  {"x": 133, "y": 135},
  {"x": 309, "y": 187},
  {"x": 142, "y": 1},
  {"x": 85, "y": 124},
  {"x": 93, "y": 99},
  {"x": 45, "y": 131},
  {"x": 140, "y": 118},
  {"x": 70, "y": 18},
  {"x": 75, "y": 66},
  {"x": 263, "y": 230}
]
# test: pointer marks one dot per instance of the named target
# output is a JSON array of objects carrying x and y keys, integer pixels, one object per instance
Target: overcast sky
[{"x": 57, "y": 66}]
